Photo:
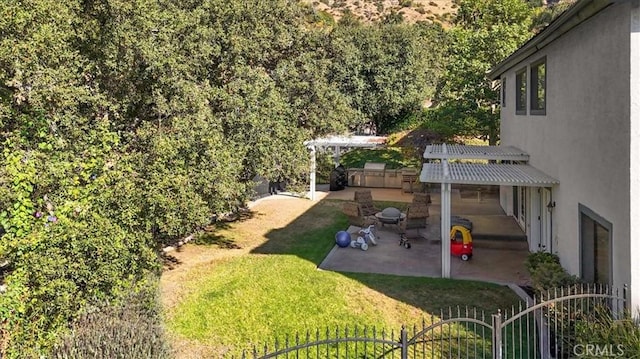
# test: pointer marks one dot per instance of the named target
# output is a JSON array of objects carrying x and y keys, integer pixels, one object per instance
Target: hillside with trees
[
  {"x": 442, "y": 12},
  {"x": 127, "y": 125},
  {"x": 412, "y": 11}
]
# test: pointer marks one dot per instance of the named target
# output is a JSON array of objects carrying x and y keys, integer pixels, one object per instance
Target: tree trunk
[{"x": 494, "y": 136}]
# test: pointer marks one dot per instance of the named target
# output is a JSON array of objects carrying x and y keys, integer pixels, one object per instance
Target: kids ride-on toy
[
  {"x": 461, "y": 247},
  {"x": 366, "y": 236},
  {"x": 404, "y": 241},
  {"x": 360, "y": 243}
]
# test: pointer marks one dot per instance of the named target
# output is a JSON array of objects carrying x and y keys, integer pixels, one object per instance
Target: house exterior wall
[
  {"x": 583, "y": 140},
  {"x": 506, "y": 200},
  {"x": 634, "y": 82}
]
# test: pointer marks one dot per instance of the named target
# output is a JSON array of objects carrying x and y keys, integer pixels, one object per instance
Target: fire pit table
[{"x": 390, "y": 215}]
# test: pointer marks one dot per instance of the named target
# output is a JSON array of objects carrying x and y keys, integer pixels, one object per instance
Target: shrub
[
  {"x": 324, "y": 166},
  {"x": 324, "y": 17},
  {"x": 132, "y": 329},
  {"x": 601, "y": 328},
  {"x": 547, "y": 273},
  {"x": 550, "y": 275},
  {"x": 62, "y": 268},
  {"x": 535, "y": 259}
]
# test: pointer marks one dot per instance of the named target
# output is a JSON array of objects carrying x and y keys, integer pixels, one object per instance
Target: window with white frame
[
  {"x": 521, "y": 92},
  {"x": 538, "y": 91}
]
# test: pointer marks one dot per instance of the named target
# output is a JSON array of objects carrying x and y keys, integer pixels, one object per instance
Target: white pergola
[
  {"x": 337, "y": 143},
  {"x": 512, "y": 170}
]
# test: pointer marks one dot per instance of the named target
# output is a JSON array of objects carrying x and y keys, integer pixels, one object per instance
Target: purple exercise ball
[{"x": 343, "y": 239}]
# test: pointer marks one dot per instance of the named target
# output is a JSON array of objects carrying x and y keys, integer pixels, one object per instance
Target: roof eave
[
  {"x": 572, "y": 17},
  {"x": 486, "y": 174}
]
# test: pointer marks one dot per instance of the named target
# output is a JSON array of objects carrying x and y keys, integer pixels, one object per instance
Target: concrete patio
[
  {"x": 483, "y": 209},
  {"x": 499, "y": 252}
]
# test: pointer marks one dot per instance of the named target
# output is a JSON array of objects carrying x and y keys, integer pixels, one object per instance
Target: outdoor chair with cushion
[
  {"x": 416, "y": 216},
  {"x": 421, "y": 198},
  {"x": 355, "y": 215},
  {"x": 361, "y": 212},
  {"x": 365, "y": 200}
]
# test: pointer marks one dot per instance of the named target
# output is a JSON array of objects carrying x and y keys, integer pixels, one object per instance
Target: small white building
[{"x": 571, "y": 101}]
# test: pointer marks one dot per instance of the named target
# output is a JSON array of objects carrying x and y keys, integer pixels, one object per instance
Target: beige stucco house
[{"x": 571, "y": 101}]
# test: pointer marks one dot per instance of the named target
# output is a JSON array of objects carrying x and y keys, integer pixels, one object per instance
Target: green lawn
[{"x": 276, "y": 290}]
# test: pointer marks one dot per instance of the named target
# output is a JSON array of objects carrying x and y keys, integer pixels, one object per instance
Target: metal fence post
[
  {"x": 404, "y": 351},
  {"x": 497, "y": 335}
]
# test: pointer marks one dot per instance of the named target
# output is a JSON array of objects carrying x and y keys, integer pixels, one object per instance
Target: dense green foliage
[
  {"x": 547, "y": 273},
  {"x": 485, "y": 32},
  {"x": 536, "y": 259},
  {"x": 388, "y": 70},
  {"x": 128, "y": 124}
]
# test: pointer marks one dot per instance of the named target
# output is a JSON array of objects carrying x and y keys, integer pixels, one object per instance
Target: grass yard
[{"x": 257, "y": 281}]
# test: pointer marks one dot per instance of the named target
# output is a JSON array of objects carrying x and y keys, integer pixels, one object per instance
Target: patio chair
[
  {"x": 356, "y": 215},
  {"x": 361, "y": 211},
  {"x": 365, "y": 200},
  {"x": 417, "y": 214},
  {"x": 421, "y": 198}
]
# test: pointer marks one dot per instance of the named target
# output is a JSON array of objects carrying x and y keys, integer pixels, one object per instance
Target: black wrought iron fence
[
  {"x": 561, "y": 312},
  {"x": 541, "y": 328}
]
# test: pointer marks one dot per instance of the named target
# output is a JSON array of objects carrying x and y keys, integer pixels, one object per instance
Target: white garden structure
[
  {"x": 492, "y": 165},
  {"x": 337, "y": 143}
]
